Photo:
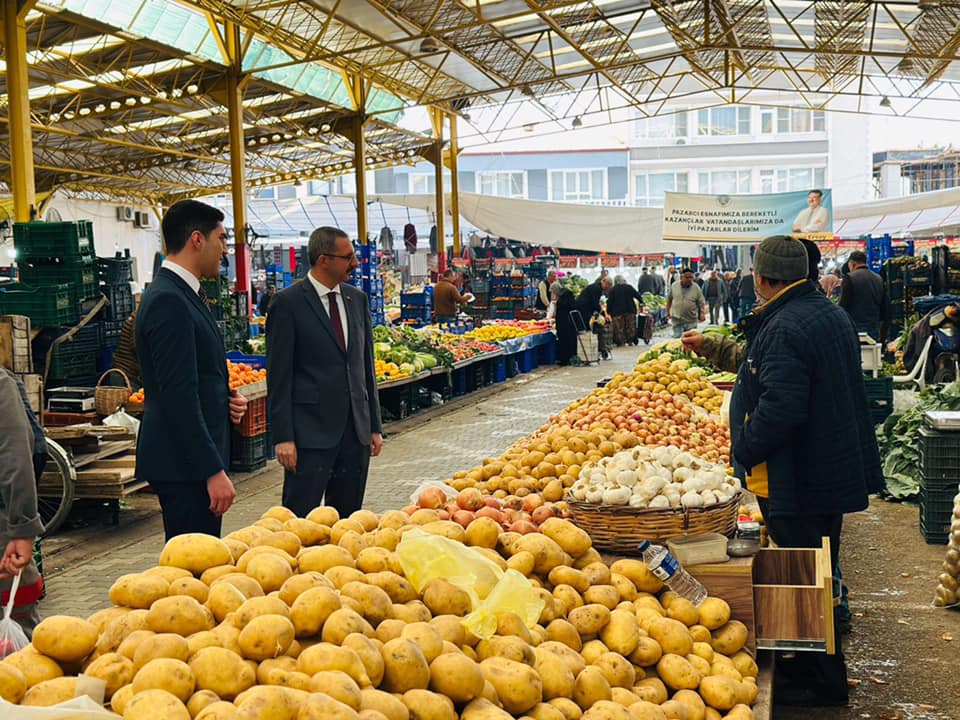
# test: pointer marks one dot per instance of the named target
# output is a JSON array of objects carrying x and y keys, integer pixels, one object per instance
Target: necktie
[
  {"x": 203, "y": 298},
  {"x": 334, "y": 312}
]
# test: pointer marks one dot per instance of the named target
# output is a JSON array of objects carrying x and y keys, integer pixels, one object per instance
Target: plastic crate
[
  {"x": 241, "y": 304},
  {"x": 120, "y": 299},
  {"x": 879, "y": 394},
  {"x": 254, "y": 421},
  {"x": 248, "y": 453},
  {"x": 917, "y": 275},
  {"x": 46, "y": 306},
  {"x": 940, "y": 455},
  {"x": 116, "y": 270},
  {"x": 70, "y": 365},
  {"x": 418, "y": 300},
  {"x": 53, "y": 240},
  {"x": 80, "y": 274},
  {"x": 498, "y": 369},
  {"x": 936, "y": 514},
  {"x": 254, "y": 361},
  {"x": 110, "y": 332},
  {"x": 526, "y": 360},
  {"x": 86, "y": 339},
  {"x": 547, "y": 353}
]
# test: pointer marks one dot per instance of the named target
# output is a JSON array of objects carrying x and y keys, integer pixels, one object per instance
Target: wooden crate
[
  {"x": 33, "y": 384},
  {"x": 732, "y": 581},
  {"x": 15, "y": 351}
]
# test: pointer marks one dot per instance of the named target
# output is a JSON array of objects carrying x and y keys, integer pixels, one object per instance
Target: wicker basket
[
  {"x": 621, "y": 528},
  {"x": 108, "y": 398}
]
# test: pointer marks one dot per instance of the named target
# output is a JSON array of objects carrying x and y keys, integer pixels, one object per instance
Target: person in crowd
[
  {"x": 863, "y": 297},
  {"x": 686, "y": 305},
  {"x": 746, "y": 296},
  {"x": 447, "y": 299},
  {"x": 184, "y": 441},
  {"x": 322, "y": 387},
  {"x": 622, "y": 307},
  {"x": 647, "y": 282},
  {"x": 125, "y": 356},
  {"x": 566, "y": 330},
  {"x": 590, "y": 305},
  {"x": 544, "y": 298},
  {"x": 732, "y": 306},
  {"x": 661, "y": 286},
  {"x": 831, "y": 283},
  {"x": 715, "y": 292},
  {"x": 815, "y": 217},
  {"x": 556, "y": 287},
  {"x": 266, "y": 297},
  {"x": 23, "y": 454},
  {"x": 800, "y": 431}
]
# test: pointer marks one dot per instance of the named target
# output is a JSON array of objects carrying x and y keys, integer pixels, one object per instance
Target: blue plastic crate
[
  {"x": 525, "y": 361},
  {"x": 378, "y": 318},
  {"x": 254, "y": 361},
  {"x": 547, "y": 353},
  {"x": 416, "y": 300},
  {"x": 498, "y": 369}
]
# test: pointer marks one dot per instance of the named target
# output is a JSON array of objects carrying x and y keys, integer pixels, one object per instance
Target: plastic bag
[
  {"x": 447, "y": 490},
  {"x": 12, "y": 637},
  {"x": 424, "y": 557},
  {"x": 79, "y": 708},
  {"x": 121, "y": 419}
]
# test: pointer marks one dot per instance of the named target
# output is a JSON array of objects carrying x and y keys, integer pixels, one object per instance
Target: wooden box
[
  {"x": 732, "y": 581},
  {"x": 15, "y": 352},
  {"x": 33, "y": 384}
]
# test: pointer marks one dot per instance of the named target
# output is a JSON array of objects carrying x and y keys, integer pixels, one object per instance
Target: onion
[
  {"x": 492, "y": 501},
  {"x": 542, "y": 514},
  {"x": 410, "y": 509},
  {"x": 490, "y": 512},
  {"x": 470, "y": 499},
  {"x": 524, "y": 527},
  {"x": 512, "y": 502},
  {"x": 532, "y": 501},
  {"x": 432, "y": 497},
  {"x": 463, "y": 517}
]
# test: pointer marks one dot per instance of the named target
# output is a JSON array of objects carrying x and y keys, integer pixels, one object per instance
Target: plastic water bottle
[{"x": 668, "y": 570}]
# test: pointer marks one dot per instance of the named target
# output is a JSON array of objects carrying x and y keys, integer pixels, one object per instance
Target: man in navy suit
[
  {"x": 184, "y": 442},
  {"x": 321, "y": 382}
]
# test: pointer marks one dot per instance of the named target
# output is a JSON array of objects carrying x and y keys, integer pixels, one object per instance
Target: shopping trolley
[{"x": 588, "y": 350}]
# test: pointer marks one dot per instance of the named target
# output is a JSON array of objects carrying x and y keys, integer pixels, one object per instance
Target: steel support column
[
  {"x": 238, "y": 183},
  {"x": 360, "y": 168},
  {"x": 455, "y": 185},
  {"x": 436, "y": 120},
  {"x": 22, "y": 182}
]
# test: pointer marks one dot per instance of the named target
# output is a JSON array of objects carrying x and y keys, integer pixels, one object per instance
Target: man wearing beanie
[{"x": 800, "y": 430}]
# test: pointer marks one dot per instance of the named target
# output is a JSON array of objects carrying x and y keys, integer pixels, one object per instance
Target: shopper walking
[
  {"x": 746, "y": 296},
  {"x": 800, "y": 430},
  {"x": 22, "y": 457},
  {"x": 647, "y": 282},
  {"x": 732, "y": 306},
  {"x": 863, "y": 297},
  {"x": 715, "y": 293},
  {"x": 183, "y": 449},
  {"x": 686, "y": 305},
  {"x": 589, "y": 303},
  {"x": 447, "y": 299},
  {"x": 544, "y": 292},
  {"x": 622, "y": 308},
  {"x": 321, "y": 385},
  {"x": 566, "y": 329}
]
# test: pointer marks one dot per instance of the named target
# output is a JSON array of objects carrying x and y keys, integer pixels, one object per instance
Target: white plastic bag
[
  {"x": 121, "y": 419},
  {"x": 447, "y": 490},
  {"x": 12, "y": 637},
  {"x": 79, "y": 708}
]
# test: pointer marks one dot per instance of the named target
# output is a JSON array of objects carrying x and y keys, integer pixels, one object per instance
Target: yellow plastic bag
[{"x": 425, "y": 557}]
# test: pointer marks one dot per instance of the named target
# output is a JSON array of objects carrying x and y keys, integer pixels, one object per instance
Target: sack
[
  {"x": 12, "y": 636},
  {"x": 121, "y": 419},
  {"x": 108, "y": 398}
]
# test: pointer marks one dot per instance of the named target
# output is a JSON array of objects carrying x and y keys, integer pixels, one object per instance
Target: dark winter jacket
[
  {"x": 620, "y": 300},
  {"x": 588, "y": 301},
  {"x": 714, "y": 290},
  {"x": 647, "y": 283},
  {"x": 745, "y": 287},
  {"x": 799, "y": 417}
]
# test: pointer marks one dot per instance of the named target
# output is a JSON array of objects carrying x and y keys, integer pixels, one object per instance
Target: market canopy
[
  {"x": 923, "y": 215},
  {"x": 127, "y": 95}
]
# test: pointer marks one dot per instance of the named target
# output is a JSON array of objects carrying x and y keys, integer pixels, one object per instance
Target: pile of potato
[
  {"x": 948, "y": 582},
  {"x": 296, "y": 619}
]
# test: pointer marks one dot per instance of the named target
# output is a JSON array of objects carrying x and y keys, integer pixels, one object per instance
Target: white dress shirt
[
  {"x": 811, "y": 220},
  {"x": 324, "y": 292},
  {"x": 188, "y": 277}
]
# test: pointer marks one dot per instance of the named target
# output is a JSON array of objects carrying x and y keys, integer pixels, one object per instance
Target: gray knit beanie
[{"x": 781, "y": 257}]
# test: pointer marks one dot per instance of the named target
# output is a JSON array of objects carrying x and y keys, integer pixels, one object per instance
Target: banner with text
[{"x": 747, "y": 218}]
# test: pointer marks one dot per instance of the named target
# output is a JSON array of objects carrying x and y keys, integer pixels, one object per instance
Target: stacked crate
[
  {"x": 501, "y": 297},
  {"x": 115, "y": 275},
  {"x": 416, "y": 308},
  {"x": 367, "y": 278},
  {"x": 939, "y": 480},
  {"x": 879, "y": 397},
  {"x": 73, "y": 361},
  {"x": 905, "y": 279},
  {"x": 230, "y": 310}
]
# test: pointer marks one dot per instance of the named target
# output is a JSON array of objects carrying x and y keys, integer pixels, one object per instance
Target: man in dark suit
[
  {"x": 321, "y": 382},
  {"x": 184, "y": 442}
]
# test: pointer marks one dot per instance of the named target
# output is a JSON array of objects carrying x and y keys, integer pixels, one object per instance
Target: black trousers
[
  {"x": 827, "y": 673},
  {"x": 186, "y": 509},
  {"x": 334, "y": 476}
]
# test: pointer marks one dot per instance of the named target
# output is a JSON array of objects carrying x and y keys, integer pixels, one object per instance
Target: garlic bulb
[
  {"x": 691, "y": 500},
  {"x": 616, "y": 496},
  {"x": 660, "y": 502}
]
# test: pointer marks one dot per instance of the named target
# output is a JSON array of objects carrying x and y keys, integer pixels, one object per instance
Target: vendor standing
[
  {"x": 800, "y": 430},
  {"x": 686, "y": 305},
  {"x": 446, "y": 299},
  {"x": 545, "y": 292},
  {"x": 863, "y": 297}
]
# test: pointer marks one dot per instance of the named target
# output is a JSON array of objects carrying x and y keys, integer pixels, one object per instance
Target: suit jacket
[
  {"x": 312, "y": 383},
  {"x": 185, "y": 432}
]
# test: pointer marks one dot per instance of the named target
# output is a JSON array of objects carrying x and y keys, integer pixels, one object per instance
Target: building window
[
  {"x": 784, "y": 121},
  {"x": 723, "y": 121},
  {"x": 650, "y": 187},
  {"x": 421, "y": 183},
  {"x": 663, "y": 127},
  {"x": 319, "y": 187},
  {"x": 267, "y": 193},
  {"x": 577, "y": 185},
  {"x": 792, "y": 179},
  {"x": 725, "y": 182},
  {"x": 503, "y": 183}
]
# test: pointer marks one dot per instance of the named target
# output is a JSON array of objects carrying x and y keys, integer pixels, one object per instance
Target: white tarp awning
[{"x": 929, "y": 213}]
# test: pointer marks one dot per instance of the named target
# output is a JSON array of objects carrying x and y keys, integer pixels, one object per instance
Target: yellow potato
[
  {"x": 566, "y": 599},
  {"x": 730, "y": 638},
  {"x": 375, "y": 604},
  {"x": 318, "y": 706},
  {"x": 218, "y": 711},
  {"x": 555, "y": 675},
  {"x": 140, "y": 590},
  {"x": 174, "y": 676},
  {"x": 745, "y": 664},
  {"x": 445, "y": 598},
  {"x": 617, "y": 669},
  {"x": 427, "y": 638},
  {"x": 598, "y": 573},
  {"x": 269, "y": 701},
  {"x": 168, "y": 572},
  {"x": 34, "y": 667},
  {"x": 323, "y": 557},
  {"x": 545, "y": 711},
  {"x": 256, "y": 606},
  {"x": 396, "y": 586},
  {"x": 327, "y": 656},
  {"x": 590, "y": 687},
  {"x": 482, "y": 532},
  {"x": 299, "y": 584},
  {"x": 607, "y": 710},
  {"x": 590, "y": 619},
  {"x": 195, "y": 552},
  {"x": 457, "y": 677},
  {"x": 266, "y": 636},
  {"x": 341, "y": 623},
  {"x": 390, "y": 706},
  {"x": 674, "y": 710},
  {"x": 114, "y": 669},
  {"x": 190, "y": 586},
  {"x": 368, "y": 650},
  {"x": 405, "y": 667},
  {"x": 512, "y": 648},
  {"x": 546, "y": 552},
  {"x": 568, "y": 708},
  {"x": 65, "y": 638},
  {"x": 200, "y": 700},
  {"x": 652, "y": 690},
  {"x": 128, "y": 648},
  {"x": 713, "y": 613},
  {"x": 337, "y": 685},
  {"x": 638, "y": 573},
  {"x": 677, "y": 672},
  {"x": 244, "y": 583},
  {"x": 518, "y": 686},
  {"x": 606, "y": 595},
  {"x": 644, "y": 710},
  {"x": 222, "y": 671},
  {"x": 684, "y": 611},
  {"x": 269, "y": 570},
  {"x": 673, "y": 636},
  {"x": 13, "y": 683},
  {"x": 159, "y": 645},
  {"x": 719, "y": 692},
  {"x": 571, "y": 657},
  {"x": 427, "y": 705},
  {"x": 483, "y": 709},
  {"x": 571, "y": 539},
  {"x": 155, "y": 704},
  {"x": 692, "y": 702},
  {"x": 622, "y": 632},
  {"x": 179, "y": 614}
]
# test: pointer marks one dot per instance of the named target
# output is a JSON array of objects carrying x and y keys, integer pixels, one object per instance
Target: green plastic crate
[
  {"x": 54, "y": 239},
  {"x": 45, "y": 306},
  {"x": 81, "y": 275}
]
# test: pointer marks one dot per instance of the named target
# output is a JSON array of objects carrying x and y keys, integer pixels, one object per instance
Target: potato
[
  {"x": 518, "y": 686},
  {"x": 327, "y": 656},
  {"x": 739, "y": 712},
  {"x": 450, "y": 628},
  {"x": 482, "y": 532},
  {"x": 199, "y": 700},
  {"x": 341, "y": 623},
  {"x": 34, "y": 667},
  {"x": 396, "y": 586},
  {"x": 160, "y": 645},
  {"x": 377, "y": 559},
  {"x": 571, "y": 539},
  {"x": 174, "y": 676},
  {"x": 677, "y": 672},
  {"x": 65, "y": 638},
  {"x": 155, "y": 704},
  {"x": 405, "y": 666},
  {"x": 692, "y": 702},
  {"x": 700, "y": 633},
  {"x": 168, "y": 572},
  {"x": 545, "y": 711},
  {"x": 745, "y": 664},
  {"x": 555, "y": 674},
  {"x": 572, "y": 658},
  {"x": 673, "y": 636},
  {"x": 445, "y": 598},
  {"x": 375, "y": 604},
  {"x": 562, "y": 631},
  {"x": 179, "y": 614},
  {"x": 228, "y": 636},
  {"x": 568, "y": 708},
  {"x": 622, "y": 632},
  {"x": 617, "y": 669},
  {"x": 337, "y": 685},
  {"x": 512, "y": 648},
  {"x": 598, "y": 573},
  {"x": 221, "y": 671},
  {"x": 13, "y": 683},
  {"x": 566, "y": 598},
  {"x": 607, "y": 710},
  {"x": 269, "y": 570},
  {"x": 318, "y": 706},
  {"x": 287, "y": 541},
  {"x": 427, "y": 705},
  {"x": 623, "y": 696},
  {"x": 195, "y": 552},
  {"x": 638, "y": 573},
  {"x": 747, "y": 691},
  {"x": 713, "y": 613},
  {"x": 683, "y": 611},
  {"x": 266, "y": 636},
  {"x": 244, "y": 583},
  {"x": 114, "y": 669},
  {"x": 457, "y": 677},
  {"x": 311, "y": 609},
  {"x": 139, "y": 590},
  {"x": 589, "y": 619},
  {"x": 674, "y": 710},
  {"x": 546, "y": 552},
  {"x": 190, "y": 586},
  {"x": 590, "y": 687},
  {"x": 368, "y": 650},
  {"x": 256, "y": 606},
  {"x": 427, "y": 638},
  {"x": 624, "y": 586},
  {"x": 128, "y": 648},
  {"x": 324, "y": 557},
  {"x": 719, "y": 692},
  {"x": 299, "y": 584},
  {"x": 269, "y": 701},
  {"x": 383, "y": 702},
  {"x": 651, "y": 689},
  {"x": 647, "y": 652},
  {"x": 644, "y": 710},
  {"x": 606, "y": 595},
  {"x": 483, "y": 709},
  {"x": 218, "y": 711},
  {"x": 211, "y": 575},
  {"x": 223, "y": 599},
  {"x": 284, "y": 662},
  {"x": 730, "y": 638},
  {"x": 522, "y": 562}
]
